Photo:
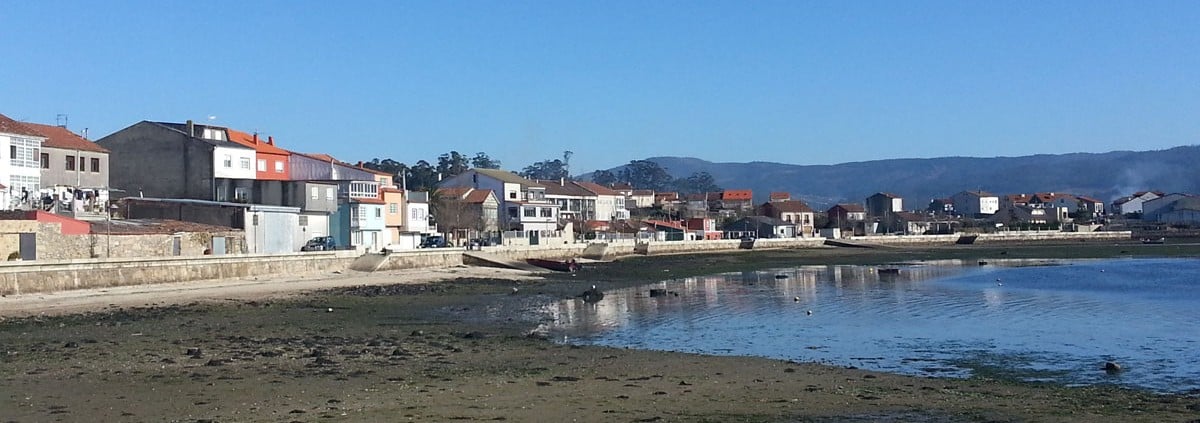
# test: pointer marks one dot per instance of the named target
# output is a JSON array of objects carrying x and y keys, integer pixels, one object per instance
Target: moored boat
[
  {"x": 1159, "y": 240},
  {"x": 557, "y": 265}
]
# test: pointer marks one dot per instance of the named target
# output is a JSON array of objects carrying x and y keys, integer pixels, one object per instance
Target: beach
[{"x": 459, "y": 344}]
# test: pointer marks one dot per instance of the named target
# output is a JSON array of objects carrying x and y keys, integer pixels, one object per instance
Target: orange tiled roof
[
  {"x": 780, "y": 196},
  {"x": 59, "y": 137},
  {"x": 9, "y": 126},
  {"x": 477, "y": 196},
  {"x": 737, "y": 194},
  {"x": 253, "y": 141}
]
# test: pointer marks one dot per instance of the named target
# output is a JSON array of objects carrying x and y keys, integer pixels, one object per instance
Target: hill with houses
[{"x": 1104, "y": 176}]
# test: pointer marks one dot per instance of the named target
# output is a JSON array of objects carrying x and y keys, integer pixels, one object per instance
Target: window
[
  {"x": 228, "y": 161},
  {"x": 364, "y": 190},
  {"x": 245, "y": 161},
  {"x": 530, "y": 211},
  {"x": 262, "y": 165},
  {"x": 512, "y": 195},
  {"x": 546, "y": 211},
  {"x": 303, "y": 220},
  {"x": 379, "y": 212},
  {"x": 314, "y": 192},
  {"x": 81, "y": 167},
  {"x": 70, "y": 162},
  {"x": 28, "y": 183},
  {"x": 214, "y": 134},
  {"x": 239, "y": 194},
  {"x": 278, "y": 166},
  {"x": 25, "y": 152},
  {"x": 45, "y": 160},
  {"x": 95, "y": 165},
  {"x": 329, "y": 193},
  {"x": 393, "y": 208}
]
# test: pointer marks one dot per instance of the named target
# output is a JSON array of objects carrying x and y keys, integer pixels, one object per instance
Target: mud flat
[{"x": 455, "y": 345}]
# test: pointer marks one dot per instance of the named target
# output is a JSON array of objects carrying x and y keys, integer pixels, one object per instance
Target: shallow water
[{"x": 1049, "y": 320}]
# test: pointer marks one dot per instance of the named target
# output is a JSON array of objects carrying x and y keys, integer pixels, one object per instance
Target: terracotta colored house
[{"x": 271, "y": 162}]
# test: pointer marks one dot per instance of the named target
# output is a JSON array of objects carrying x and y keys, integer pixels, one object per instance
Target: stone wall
[
  {"x": 10, "y": 238},
  {"x": 47, "y": 276}
]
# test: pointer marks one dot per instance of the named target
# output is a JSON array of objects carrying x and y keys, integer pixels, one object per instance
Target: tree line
[{"x": 640, "y": 174}]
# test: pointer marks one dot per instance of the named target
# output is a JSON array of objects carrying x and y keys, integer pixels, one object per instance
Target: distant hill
[{"x": 1104, "y": 176}]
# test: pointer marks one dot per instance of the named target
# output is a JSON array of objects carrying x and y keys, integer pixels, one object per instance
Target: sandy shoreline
[{"x": 447, "y": 344}]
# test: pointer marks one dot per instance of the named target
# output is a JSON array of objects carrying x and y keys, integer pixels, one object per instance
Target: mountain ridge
[{"x": 1104, "y": 176}]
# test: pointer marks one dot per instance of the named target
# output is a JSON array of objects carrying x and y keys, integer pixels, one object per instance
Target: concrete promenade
[{"x": 60, "y": 275}]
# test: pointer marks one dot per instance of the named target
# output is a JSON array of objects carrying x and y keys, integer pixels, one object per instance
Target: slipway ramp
[{"x": 488, "y": 259}]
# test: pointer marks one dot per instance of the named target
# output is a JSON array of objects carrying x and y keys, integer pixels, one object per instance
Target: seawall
[{"x": 48, "y": 276}]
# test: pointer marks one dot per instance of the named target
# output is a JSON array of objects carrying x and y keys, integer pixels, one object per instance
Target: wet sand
[{"x": 455, "y": 344}]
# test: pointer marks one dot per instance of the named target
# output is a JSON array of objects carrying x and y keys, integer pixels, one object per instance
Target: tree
[
  {"x": 483, "y": 161},
  {"x": 604, "y": 177},
  {"x": 452, "y": 163},
  {"x": 455, "y": 216},
  {"x": 697, "y": 183},
  {"x": 548, "y": 169},
  {"x": 646, "y": 174},
  {"x": 421, "y": 176}
]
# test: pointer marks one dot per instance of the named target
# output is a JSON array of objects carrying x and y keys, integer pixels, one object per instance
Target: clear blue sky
[{"x": 789, "y": 81}]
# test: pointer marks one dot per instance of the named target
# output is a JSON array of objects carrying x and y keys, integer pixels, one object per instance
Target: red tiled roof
[
  {"x": 9, "y": 126},
  {"x": 643, "y": 192},
  {"x": 253, "y": 141},
  {"x": 667, "y": 196},
  {"x": 596, "y": 188},
  {"x": 477, "y": 196},
  {"x": 663, "y": 223},
  {"x": 1087, "y": 199},
  {"x": 737, "y": 194},
  {"x": 780, "y": 196},
  {"x": 790, "y": 206},
  {"x": 59, "y": 137},
  {"x": 322, "y": 156},
  {"x": 369, "y": 200}
]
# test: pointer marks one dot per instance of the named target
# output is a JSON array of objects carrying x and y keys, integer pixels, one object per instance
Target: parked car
[
  {"x": 321, "y": 243},
  {"x": 435, "y": 241}
]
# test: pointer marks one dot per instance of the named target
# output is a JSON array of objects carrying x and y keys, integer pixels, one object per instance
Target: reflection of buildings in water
[{"x": 738, "y": 291}]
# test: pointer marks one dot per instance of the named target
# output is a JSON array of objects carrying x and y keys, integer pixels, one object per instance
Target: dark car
[
  {"x": 321, "y": 243},
  {"x": 435, "y": 241}
]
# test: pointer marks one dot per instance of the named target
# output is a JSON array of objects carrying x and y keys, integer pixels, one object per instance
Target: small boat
[
  {"x": 1154, "y": 240},
  {"x": 556, "y": 265}
]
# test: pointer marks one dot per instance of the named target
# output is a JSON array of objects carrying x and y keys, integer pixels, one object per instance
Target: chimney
[
  {"x": 255, "y": 138},
  {"x": 191, "y": 128},
  {"x": 562, "y": 182},
  {"x": 270, "y": 140}
]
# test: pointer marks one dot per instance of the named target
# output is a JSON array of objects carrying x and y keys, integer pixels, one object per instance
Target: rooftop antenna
[{"x": 61, "y": 120}]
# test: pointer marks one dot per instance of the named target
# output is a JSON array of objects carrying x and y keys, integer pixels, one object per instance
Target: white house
[
  {"x": 610, "y": 204},
  {"x": 1133, "y": 203},
  {"x": 972, "y": 203},
  {"x": 22, "y": 171},
  {"x": 524, "y": 204}
]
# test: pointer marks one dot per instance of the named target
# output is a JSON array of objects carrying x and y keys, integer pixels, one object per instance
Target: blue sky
[{"x": 789, "y": 81}]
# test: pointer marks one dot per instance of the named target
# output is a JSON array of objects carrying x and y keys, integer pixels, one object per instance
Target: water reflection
[{"x": 1038, "y": 319}]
